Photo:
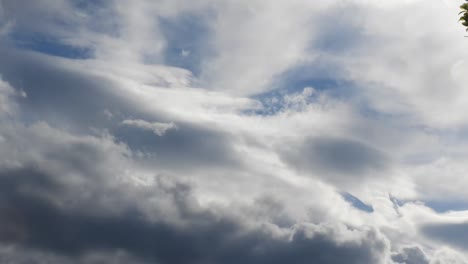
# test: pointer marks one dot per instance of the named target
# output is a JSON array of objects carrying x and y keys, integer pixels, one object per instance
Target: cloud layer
[{"x": 176, "y": 131}]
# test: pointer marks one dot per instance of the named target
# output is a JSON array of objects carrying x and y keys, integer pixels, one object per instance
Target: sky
[{"x": 233, "y": 131}]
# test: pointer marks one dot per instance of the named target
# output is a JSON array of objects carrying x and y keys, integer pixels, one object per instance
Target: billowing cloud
[
  {"x": 68, "y": 199},
  {"x": 411, "y": 255}
]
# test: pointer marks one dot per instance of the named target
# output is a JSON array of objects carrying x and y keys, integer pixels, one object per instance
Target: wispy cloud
[{"x": 158, "y": 128}]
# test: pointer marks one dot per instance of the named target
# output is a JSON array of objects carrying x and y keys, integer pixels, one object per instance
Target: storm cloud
[{"x": 37, "y": 213}]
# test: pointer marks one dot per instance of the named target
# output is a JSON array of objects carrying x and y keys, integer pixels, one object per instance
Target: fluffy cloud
[
  {"x": 74, "y": 199},
  {"x": 411, "y": 255}
]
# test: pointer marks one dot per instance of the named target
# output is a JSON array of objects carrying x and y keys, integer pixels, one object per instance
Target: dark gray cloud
[
  {"x": 60, "y": 95},
  {"x": 338, "y": 160},
  {"x": 74, "y": 202},
  {"x": 20, "y": 255},
  {"x": 189, "y": 146},
  {"x": 411, "y": 255},
  {"x": 35, "y": 222},
  {"x": 455, "y": 234},
  {"x": 40, "y": 17},
  {"x": 78, "y": 101}
]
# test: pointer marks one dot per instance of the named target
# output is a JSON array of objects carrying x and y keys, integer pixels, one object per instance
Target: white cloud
[
  {"x": 157, "y": 128},
  {"x": 7, "y": 94}
]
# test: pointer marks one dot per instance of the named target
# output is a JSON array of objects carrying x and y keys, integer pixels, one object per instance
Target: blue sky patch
[
  {"x": 449, "y": 205},
  {"x": 187, "y": 37},
  {"x": 357, "y": 203},
  {"x": 320, "y": 73},
  {"x": 321, "y": 77},
  {"x": 50, "y": 46}
]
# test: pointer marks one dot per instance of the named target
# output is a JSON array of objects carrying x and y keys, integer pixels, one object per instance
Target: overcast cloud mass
[{"x": 233, "y": 131}]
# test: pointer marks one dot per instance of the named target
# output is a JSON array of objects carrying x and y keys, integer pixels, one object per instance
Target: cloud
[
  {"x": 67, "y": 198},
  {"x": 217, "y": 240},
  {"x": 446, "y": 255},
  {"x": 450, "y": 233},
  {"x": 411, "y": 255},
  {"x": 339, "y": 160},
  {"x": 174, "y": 131},
  {"x": 158, "y": 128},
  {"x": 211, "y": 240},
  {"x": 188, "y": 146},
  {"x": 5, "y": 92},
  {"x": 403, "y": 72}
]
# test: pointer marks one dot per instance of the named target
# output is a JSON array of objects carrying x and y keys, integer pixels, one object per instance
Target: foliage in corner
[{"x": 464, "y": 15}]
